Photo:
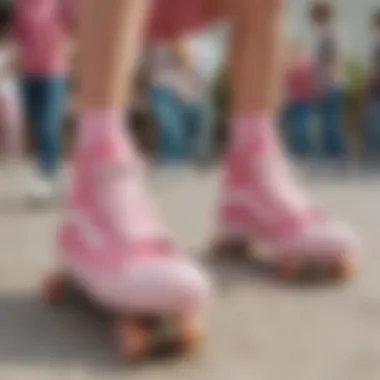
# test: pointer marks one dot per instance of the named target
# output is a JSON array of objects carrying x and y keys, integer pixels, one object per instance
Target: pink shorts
[{"x": 171, "y": 18}]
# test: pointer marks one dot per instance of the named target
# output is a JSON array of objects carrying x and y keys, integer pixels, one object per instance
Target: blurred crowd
[
  {"x": 180, "y": 99},
  {"x": 183, "y": 105},
  {"x": 317, "y": 85}
]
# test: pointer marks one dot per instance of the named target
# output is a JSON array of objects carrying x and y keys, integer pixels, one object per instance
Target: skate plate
[
  {"x": 136, "y": 337},
  {"x": 288, "y": 267}
]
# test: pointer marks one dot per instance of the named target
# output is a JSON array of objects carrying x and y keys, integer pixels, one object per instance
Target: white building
[{"x": 353, "y": 17}]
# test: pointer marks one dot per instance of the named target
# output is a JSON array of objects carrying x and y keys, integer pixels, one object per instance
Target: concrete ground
[{"x": 258, "y": 329}]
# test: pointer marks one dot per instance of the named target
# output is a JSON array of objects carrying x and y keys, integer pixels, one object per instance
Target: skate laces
[{"x": 122, "y": 197}]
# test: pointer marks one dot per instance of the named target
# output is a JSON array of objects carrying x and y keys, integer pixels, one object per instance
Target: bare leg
[
  {"x": 256, "y": 52},
  {"x": 110, "y": 40}
]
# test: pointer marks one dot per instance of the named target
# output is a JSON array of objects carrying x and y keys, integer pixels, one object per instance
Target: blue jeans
[
  {"x": 331, "y": 112},
  {"x": 184, "y": 129},
  {"x": 372, "y": 131},
  {"x": 44, "y": 101},
  {"x": 299, "y": 122}
]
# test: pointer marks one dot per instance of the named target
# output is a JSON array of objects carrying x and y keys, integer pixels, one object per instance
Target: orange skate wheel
[
  {"x": 53, "y": 290},
  {"x": 190, "y": 334},
  {"x": 132, "y": 340},
  {"x": 344, "y": 268}
]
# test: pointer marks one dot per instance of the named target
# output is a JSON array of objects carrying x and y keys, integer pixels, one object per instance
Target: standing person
[
  {"x": 180, "y": 100},
  {"x": 10, "y": 106},
  {"x": 41, "y": 31},
  {"x": 329, "y": 80},
  {"x": 300, "y": 103},
  {"x": 112, "y": 243},
  {"x": 373, "y": 93}
]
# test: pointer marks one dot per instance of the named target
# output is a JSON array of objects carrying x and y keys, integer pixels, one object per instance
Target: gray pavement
[{"x": 258, "y": 329}]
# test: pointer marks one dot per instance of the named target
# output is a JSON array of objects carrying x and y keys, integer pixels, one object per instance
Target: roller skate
[
  {"x": 264, "y": 218},
  {"x": 115, "y": 254}
]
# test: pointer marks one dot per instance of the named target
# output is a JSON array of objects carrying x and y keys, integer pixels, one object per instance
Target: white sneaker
[
  {"x": 61, "y": 184},
  {"x": 41, "y": 190}
]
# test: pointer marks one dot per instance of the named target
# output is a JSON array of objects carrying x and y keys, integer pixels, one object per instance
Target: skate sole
[
  {"x": 290, "y": 268},
  {"x": 136, "y": 337}
]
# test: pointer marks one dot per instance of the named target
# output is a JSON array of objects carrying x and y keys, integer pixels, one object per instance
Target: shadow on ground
[
  {"x": 34, "y": 332},
  {"x": 11, "y": 205}
]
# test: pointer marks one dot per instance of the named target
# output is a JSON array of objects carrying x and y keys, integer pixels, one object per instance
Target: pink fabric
[
  {"x": 42, "y": 30},
  {"x": 170, "y": 18},
  {"x": 111, "y": 242},
  {"x": 261, "y": 201},
  {"x": 300, "y": 81}
]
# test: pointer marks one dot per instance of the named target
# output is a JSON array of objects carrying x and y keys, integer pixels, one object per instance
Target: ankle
[
  {"x": 97, "y": 125},
  {"x": 99, "y": 128},
  {"x": 253, "y": 133}
]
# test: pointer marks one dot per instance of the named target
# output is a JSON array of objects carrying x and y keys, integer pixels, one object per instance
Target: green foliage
[
  {"x": 355, "y": 90},
  {"x": 356, "y": 83},
  {"x": 221, "y": 94}
]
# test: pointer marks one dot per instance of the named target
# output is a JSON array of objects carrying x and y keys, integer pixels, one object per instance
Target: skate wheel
[
  {"x": 229, "y": 248},
  {"x": 289, "y": 268},
  {"x": 344, "y": 268},
  {"x": 132, "y": 340},
  {"x": 53, "y": 289},
  {"x": 190, "y": 334}
]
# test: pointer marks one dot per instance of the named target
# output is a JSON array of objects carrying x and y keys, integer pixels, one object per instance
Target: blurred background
[
  {"x": 258, "y": 328},
  {"x": 206, "y": 53}
]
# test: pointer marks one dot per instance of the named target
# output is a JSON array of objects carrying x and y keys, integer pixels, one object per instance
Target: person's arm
[
  {"x": 11, "y": 61},
  {"x": 67, "y": 14},
  {"x": 188, "y": 67}
]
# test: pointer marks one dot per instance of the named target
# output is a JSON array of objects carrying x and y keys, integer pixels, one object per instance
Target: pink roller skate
[
  {"x": 261, "y": 207},
  {"x": 115, "y": 253}
]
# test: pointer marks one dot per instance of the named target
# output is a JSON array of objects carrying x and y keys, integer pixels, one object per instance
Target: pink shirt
[
  {"x": 41, "y": 28},
  {"x": 300, "y": 81}
]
